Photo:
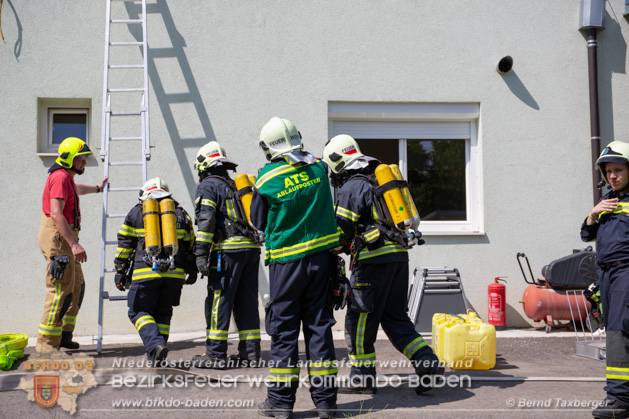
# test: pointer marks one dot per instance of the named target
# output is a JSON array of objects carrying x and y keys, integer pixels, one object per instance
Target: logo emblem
[{"x": 46, "y": 390}]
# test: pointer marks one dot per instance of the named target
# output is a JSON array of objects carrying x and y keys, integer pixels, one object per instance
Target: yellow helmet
[
  {"x": 70, "y": 148},
  {"x": 212, "y": 154},
  {"x": 615, "y": 152},
  {"x": 342, "y": 152},
  {"x": 278, "y": 137}
]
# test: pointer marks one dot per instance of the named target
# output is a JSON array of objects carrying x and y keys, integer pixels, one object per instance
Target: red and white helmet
[
  {"x": 155, "y": 188},
  {"x": 342, "y": 152},
  {"x": 212, "y": 154}
]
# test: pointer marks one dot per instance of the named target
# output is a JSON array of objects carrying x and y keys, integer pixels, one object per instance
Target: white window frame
[
  {"x": 47, "y": 108},
  {"x": 416, "y": 121}
]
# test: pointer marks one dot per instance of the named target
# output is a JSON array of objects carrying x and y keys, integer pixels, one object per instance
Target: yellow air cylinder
[
  {"x": 242, "y": 181},
  {"x": 407, "y": 197},
  {"x": 252, "y": 179},
  {"x": 169, "y": 227},
  {"x": 400, "y": 213},
  {"x": 152, "y": 240}
]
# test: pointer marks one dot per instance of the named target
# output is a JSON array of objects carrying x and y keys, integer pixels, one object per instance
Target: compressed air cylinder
[
  {"x": 152, "y": 237},
  {"x": 252, "y": 179},
  {"x": 169, "y": 229},
  {"x": 242, "y": 181},
  {"x": 400, "y": 214},
  {"x": 406, "y": 194}
]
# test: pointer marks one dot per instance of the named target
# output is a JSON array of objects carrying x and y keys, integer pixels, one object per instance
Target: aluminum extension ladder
[{"x": 108, "y": 138}]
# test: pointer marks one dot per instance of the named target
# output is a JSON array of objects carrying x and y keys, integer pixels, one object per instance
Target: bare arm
[
  {"x": 56, "y": 213},
  {"x": 86, "y": 189},
  {"x": 605, "y": 205}
]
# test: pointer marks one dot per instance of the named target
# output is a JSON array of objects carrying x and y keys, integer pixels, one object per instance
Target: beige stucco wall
[{"x": 236, "y": 64}]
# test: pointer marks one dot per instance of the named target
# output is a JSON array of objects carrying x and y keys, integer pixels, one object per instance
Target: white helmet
[
  {"x": 155, "y": 188},
  {"x": 342, "y": 152},
  {"x": 616, "y": 152},
  {"x": 278, "y": 137},
  {"x": 212, "y": 154}
]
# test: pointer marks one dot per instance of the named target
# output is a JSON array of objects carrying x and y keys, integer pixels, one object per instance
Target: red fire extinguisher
[{"x": 496, "y": 293}]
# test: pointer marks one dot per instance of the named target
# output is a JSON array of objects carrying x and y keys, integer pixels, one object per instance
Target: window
[
  {"x": 60, "y": 119},
  {"x": 436, "y": 147}
]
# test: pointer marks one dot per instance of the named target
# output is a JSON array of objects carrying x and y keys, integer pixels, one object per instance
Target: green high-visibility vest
[{"x": 301, "y": 216}]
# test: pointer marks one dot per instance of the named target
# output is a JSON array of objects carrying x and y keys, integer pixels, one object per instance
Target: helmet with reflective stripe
[
  {"x": 615, "y": 152},
  {"x": 212, "y": 154},
  {"x": 278, "y": 137},
  {"x": 69, "y": 149},
  {"x": 155, "y": 188},
  {"x": 342, "y": 152}
]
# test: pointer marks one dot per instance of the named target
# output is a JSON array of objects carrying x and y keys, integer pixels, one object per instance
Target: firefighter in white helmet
[
  {"x": 59, "y": 242},
  {"x": 229, "y": 255},
  {"x": 293, "y": 203},
  {"x": 155, "y": 279},
  {"x": 607, "y": 224},
  {"x": 379, "y": 278}
]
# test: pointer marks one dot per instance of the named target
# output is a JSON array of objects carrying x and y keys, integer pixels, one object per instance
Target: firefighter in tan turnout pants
[{"x": 59, "y": 242}]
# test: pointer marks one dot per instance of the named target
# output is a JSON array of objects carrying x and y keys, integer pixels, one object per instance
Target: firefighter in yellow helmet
[
  {"x": 379, "y": 278},
  {"x": 607, "y": 224},
  {"x": 59, "y": 242},
  {"x": 155, "y": 243}
]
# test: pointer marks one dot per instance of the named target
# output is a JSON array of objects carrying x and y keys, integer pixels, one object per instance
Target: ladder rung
[
  {"x": 126, "y": 163},
  {"x": 123, "y": 44},
  {"x": 126, "y": 21},
  {"x": 124, "y": 138},
  {"x": 116, "y": 215},
  {"x": 118, "y": 298},
  {"x": 127, "y": 66},
  {"x": 124, "y": 189},
  {"x": 111, "y": 242},
  {"x": 442, "y": 283},
  {"x": 438, "y": 291},
  {"x": 110, "y": 270},
  {"x": 126, "y": 113},
  {"x": 133, "y": 89}
]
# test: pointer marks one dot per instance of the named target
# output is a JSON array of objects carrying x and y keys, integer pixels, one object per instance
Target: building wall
[{"x": 219, "y": 70}]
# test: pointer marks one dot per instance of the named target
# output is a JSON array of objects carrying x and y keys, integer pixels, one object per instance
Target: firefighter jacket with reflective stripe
[
  {"x": 131, "y": 237},
  {"x": 294, "y": 206},
  {"x": 356, "y": 215},
  {"x": 219, "y": 221},
  {"x": 611, "y": 232}
]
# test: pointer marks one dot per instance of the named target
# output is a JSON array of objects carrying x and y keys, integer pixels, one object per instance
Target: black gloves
[
  {"x": 203, "y": 265},
  {"x": 58, "y": 265},
  {"x": 191, "y": 269},
  {"x": 340, "y": 292}
]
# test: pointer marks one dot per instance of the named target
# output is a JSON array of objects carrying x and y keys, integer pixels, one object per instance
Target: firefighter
[
  {"x": 59, "y": 243},
  {"x": 227, "y": 253},
  {"x": 607, "y": 223},
  {"x": 379, "y": 278},
  {"x": 157, "y": 278},
  {"x": 292, "y": 203}
]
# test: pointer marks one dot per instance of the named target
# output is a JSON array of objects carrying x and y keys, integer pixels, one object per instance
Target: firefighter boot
[
  {"x": 267, "y": 409},
  {"x": 611, "y": 408},
  {"x": 159, "y": 354},
  {"x": 427, "y": 368},
  {"x": 205, "y": 361},
  {"x": 67, "y": 342}
]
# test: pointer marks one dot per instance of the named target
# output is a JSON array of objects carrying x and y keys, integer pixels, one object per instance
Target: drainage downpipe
[{"x": 595, "y": 131}]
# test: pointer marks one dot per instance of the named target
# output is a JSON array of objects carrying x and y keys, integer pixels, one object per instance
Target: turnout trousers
[
  {"x": 233, "y": 288},
  {"x": 380, "y": 297},
  {"x": 298, "y": 291},
  {"x": 151, "y": 308},
  {"x": 614, "y": 285},
  {"x": 63, "y": 296}
]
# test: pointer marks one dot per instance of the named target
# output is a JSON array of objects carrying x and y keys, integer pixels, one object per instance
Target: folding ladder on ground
[
  {"x": 435, "y": 290},
  {"x": 114, "y": 133}
]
